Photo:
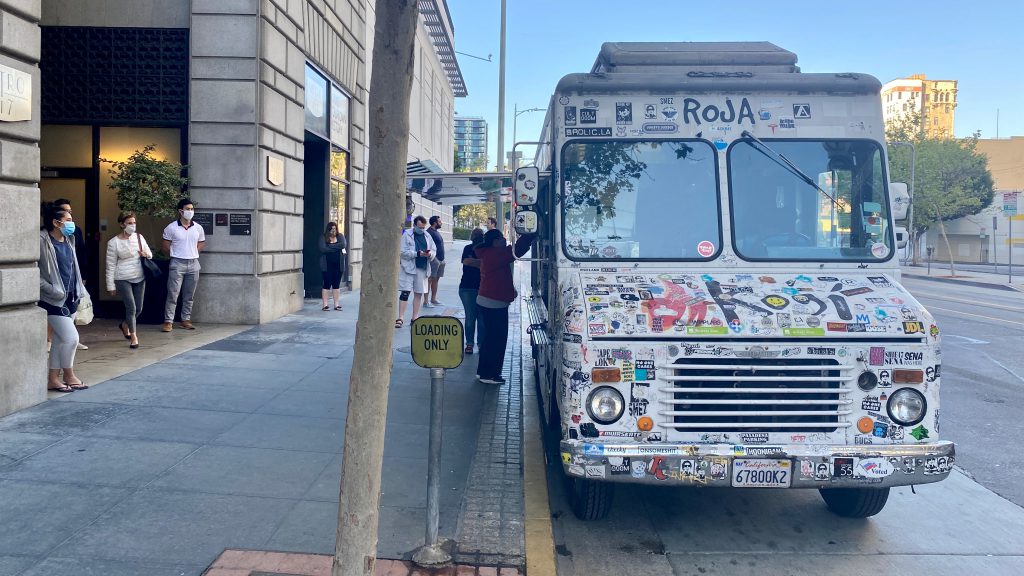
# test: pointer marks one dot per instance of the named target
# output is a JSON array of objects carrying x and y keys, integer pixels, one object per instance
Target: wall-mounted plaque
[
  {"x": 15, "y": 95},
  {"x": 204, "y": 219},
  {"x": 275, "y": 171},
  {"x": 222, "y": 219},
  {"x": 241, "y": 224}
]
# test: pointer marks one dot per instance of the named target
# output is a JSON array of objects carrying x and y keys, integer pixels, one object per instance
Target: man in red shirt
[{"x": 495, "y": 295}]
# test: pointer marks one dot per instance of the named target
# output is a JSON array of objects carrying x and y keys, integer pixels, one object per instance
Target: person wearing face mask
[
  {"x": 183, "y": 240},
  {"x": 125, "y": 275},
  {"x": 417, "y": 250},
  {"x": 60, "y": 289}
]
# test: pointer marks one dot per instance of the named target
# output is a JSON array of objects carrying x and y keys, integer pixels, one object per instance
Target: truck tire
[
  {"x": 855, "y": 502},
  {"x": 590, "y": 500}
]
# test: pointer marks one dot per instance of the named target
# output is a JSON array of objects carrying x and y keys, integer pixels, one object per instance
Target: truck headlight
[
  {"x": 605, "y": 405},
  {"x": 906, "y": 406}
]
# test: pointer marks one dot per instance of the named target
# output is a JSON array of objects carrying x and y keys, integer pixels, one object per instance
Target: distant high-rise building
[
  {"x": 471, "y": 139},
  {"x": 934, "y": 100}
]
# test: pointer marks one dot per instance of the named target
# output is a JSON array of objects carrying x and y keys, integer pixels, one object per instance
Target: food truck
[{"x": 716, "y": 297}]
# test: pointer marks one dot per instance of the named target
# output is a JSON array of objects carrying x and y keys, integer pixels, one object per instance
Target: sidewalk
[
  {"x": 237, "y": 445},
  {"x": 940, "y": 273}
]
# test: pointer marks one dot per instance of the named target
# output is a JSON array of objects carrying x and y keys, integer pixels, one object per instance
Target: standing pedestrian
[
  {"x": 417, "y": 250},
  {"x": 437, "y": 264},
  {"x": 125, "y": 275},
  {"x": 495, "y": 295},
  {"x": 183, "y": 240},
  {"x": 492, "y": 223},
  {"x": 81, "y": 255},
  {"x": 469, "y": 286},
  {"x": 332, "y": 264},
  {"x": 60, "y": 289}
]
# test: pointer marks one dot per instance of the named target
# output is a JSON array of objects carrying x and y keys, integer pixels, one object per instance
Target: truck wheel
[
  {"x": 855, "y": 502},
  {"x": 590, "y": 500}
]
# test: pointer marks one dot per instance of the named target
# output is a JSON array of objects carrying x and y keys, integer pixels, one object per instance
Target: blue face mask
[{"x": 68, "y": 228}]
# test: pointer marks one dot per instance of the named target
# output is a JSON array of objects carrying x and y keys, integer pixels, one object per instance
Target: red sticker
[{"x": 705, "y": 248}]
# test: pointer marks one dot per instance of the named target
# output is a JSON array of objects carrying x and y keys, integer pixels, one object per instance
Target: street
[{"x": 961, "y": 525}]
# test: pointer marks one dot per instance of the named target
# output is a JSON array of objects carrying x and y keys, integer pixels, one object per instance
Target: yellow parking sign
[{"x": 437, "y": 341}]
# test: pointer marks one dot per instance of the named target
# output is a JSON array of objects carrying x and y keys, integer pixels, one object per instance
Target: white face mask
[
  {"x": 188, "y": 214},
  {"x": 129, "y": 229}
]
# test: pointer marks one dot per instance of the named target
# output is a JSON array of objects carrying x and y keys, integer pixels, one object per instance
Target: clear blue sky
[{"x": 980, "y": 43}]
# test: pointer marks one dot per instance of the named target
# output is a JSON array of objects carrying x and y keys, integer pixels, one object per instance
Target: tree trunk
[
  {"x": 388, "y": 135},
  {"x": 942, "y": 229}
]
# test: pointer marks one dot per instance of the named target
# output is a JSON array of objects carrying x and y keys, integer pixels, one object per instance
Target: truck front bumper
[{"x": 715, "y": 465}]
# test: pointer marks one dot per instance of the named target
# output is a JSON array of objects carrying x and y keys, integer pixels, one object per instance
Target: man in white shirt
[{"x": 183, "y": 240}]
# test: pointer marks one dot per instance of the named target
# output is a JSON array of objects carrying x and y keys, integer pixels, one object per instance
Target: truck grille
[{"x": 756, "y": 394}]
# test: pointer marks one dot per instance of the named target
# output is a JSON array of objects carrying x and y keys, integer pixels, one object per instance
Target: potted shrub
[{"x": 151, "y": 189}]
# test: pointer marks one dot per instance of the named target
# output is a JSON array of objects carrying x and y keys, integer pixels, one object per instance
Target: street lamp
[
  {"x": 910, "y": 214},
  {"x": 515, "y": 120}
]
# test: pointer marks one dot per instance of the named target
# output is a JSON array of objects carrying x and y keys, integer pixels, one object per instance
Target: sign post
[
  {"x": 1010, "y": 210},
  {"x": 437, "y": 343}
]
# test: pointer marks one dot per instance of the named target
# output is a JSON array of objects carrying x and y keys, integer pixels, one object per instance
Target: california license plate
[{"x": 761, "y": 473}]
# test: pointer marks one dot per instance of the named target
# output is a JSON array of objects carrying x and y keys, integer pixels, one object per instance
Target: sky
[{"x": 979, "y": 43}]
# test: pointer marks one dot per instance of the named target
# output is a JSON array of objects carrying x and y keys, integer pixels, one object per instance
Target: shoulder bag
[{"x": 149, "y": 268}]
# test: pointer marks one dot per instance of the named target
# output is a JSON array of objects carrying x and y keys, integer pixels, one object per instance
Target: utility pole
[
  {"x": 355, "y": 552},
  {"x": 499, "y": 208}
]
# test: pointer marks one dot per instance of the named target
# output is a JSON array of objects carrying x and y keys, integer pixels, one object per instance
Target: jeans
[
  {"x": 64, "y": 343},
  {"x": 182, "y": 277},
  {"x": 132, "y": 294},
  {"x": 474, "y": 322},
  {"x": 492, "y": 353}
]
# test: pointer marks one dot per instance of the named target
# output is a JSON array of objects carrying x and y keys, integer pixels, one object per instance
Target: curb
[{"x": 974, "y": 283}]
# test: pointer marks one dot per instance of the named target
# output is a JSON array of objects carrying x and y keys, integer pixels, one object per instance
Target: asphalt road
[
  {"x": 982, "y": 378},
  {"x": 959, "y": 526}
]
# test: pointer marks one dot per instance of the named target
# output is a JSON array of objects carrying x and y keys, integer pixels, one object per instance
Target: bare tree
[{"x": 390, "y": 84}]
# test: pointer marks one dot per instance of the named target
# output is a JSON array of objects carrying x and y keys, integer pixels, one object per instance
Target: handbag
[
  {"x": 84, "y": 315},
  {"x": 149, "y": 268}
]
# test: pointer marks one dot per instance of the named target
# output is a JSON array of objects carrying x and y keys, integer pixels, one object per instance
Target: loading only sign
[{"x": 437, "y": 342}]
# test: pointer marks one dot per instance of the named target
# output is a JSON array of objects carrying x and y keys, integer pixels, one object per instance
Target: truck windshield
[
  {"x": 776, "y": 215},
  {"x": 640, "y": 200}
]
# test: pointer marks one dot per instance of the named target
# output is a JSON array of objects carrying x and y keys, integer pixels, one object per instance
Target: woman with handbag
[
  {"x": 127, "y": 257},
  {"x": 60, "y": 290}
]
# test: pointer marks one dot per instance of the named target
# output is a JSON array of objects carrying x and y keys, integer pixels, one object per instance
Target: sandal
[
  {"x": 79, "y": 386},
  {"x": 399, "y": 323},
  {"x": 124, "y": 330},
  {"x": 64, "y": 388},
  {"x": 337, "y": 307},
  {"x": 326, "y": 308},
  {"x": 469, "y": 349}
]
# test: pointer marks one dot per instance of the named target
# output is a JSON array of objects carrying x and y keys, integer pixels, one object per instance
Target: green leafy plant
[{"x": 147, "y": 186}]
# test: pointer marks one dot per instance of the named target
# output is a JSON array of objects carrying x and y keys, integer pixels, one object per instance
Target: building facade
[
  {"x": 933, "y": 100},
  {"x": 972, "y": 239},
  {"x": 264, "y": 101},
  {"x": 471, "y": 141}
]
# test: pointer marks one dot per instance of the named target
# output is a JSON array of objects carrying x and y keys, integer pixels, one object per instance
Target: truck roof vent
[{"x": 710, "y": 58}]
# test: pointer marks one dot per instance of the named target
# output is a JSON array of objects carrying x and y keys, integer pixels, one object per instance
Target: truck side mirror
[
  {"x": 901, "y": 237},
  {"x": 527, "y": 184},
  {"x": 900, "y": 199},
  {"x": 525, "y": 222}
]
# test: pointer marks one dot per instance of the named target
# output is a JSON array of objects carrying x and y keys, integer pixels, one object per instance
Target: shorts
[
  {"x": 436, "y": 269},
  {"x": 415, "y": 283}
]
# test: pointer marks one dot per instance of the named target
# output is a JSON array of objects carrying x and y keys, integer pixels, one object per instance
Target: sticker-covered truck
[{"x": 716, "y": 295}]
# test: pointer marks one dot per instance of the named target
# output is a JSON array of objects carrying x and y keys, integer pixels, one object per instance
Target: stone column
[{"x": 22, "y": 323}]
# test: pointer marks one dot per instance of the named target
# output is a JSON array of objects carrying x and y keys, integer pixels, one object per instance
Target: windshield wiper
[{"x": 781, "y": 160}]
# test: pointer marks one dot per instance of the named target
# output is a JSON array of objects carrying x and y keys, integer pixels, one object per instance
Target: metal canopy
[{"x": 457, "y": 188}]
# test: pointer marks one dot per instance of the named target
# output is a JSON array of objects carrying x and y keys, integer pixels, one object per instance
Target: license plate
[{"x": 761, "y": 473}]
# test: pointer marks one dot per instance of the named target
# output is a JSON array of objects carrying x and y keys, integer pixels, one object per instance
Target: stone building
[
  {"x": 934, "y": 100},
  {"x": 263, "y": 100}
]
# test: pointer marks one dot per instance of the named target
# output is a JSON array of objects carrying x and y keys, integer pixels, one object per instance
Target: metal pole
[
  {"x": 910, "y": 215},
  {"x": 1009, "y": 249},
  {"x": 499, "y": 207},
  {"x": 431, "y": 554}
]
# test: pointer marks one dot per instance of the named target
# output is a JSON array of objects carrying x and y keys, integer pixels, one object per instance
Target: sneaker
[
  {"x": 436, "y": 303},
  {"x": 495, "y": 380},
  {"x": 167, "y": 327},
  {"x": 82, "y": 346},
  {"x": 428, "y": 305}
]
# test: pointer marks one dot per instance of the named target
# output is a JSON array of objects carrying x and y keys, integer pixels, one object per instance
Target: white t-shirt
[{"x": 184, "y": 241}]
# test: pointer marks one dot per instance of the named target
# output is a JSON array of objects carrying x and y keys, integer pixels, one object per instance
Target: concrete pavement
[
  {"x": 237, "y": 444},
  {"x": 978, "y": 276}
]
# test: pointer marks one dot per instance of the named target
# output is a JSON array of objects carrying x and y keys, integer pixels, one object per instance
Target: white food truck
[{"x": 716, "y": 298}]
